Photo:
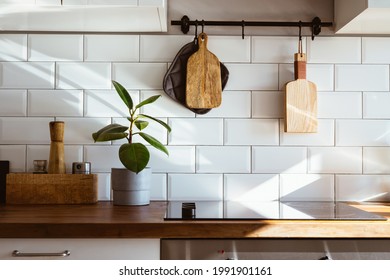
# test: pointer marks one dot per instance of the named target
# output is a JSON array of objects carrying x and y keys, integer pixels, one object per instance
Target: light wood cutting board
[
  {"x": 300, "y": 100},
  {"x": 203, "y": 82}
]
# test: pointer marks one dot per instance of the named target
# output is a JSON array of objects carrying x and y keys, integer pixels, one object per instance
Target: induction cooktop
[{"x": 274, "y": 210}]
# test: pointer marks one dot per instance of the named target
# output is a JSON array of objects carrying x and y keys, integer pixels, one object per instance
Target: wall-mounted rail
[{"x": 315, "y": 24}]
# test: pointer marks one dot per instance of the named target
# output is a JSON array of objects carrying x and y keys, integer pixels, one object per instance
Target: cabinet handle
[{"x": 17, "y": 253}]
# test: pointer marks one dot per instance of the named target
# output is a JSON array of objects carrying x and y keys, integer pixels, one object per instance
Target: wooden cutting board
[
  {"x": 203, "y": 82},
  {"x": 300, "y": 100}
]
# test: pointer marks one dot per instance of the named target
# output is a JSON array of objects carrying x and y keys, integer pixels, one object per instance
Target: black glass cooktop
[{"x": 274, "y": 210}]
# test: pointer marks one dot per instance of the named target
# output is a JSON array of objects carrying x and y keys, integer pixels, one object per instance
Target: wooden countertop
[{"x": 104, "y": 220}]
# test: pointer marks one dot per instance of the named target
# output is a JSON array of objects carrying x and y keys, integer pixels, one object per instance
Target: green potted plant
[{"x": 131, "y": 185}]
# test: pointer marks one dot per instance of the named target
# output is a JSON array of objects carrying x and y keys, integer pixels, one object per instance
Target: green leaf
[
  {"x": 148, "y": 101},
  {"x": 134, "y": 156},
  {"x": 156, "y": 120},
  {"x": 141, "y": 124},
  {"x": 154, "y": 142},
  {"x": 110, "y": 132},
  {"x": 123, "y": 93}
]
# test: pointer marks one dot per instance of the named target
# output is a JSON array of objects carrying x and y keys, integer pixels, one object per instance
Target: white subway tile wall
[{"x": 238, "y": 151}]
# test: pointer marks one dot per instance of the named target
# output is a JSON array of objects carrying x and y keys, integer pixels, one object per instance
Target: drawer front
[
  {"x": 275, "y": 249},
  {"x": 80, "y": 249}
]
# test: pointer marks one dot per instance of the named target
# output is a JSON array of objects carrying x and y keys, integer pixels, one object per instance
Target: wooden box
[{"x": 27, "y": 188}]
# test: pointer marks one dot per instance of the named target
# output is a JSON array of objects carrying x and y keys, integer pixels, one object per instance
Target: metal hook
[
  {"x": 300, "y": 38},
  {"x": 243, "y": 30},
  {"x": 202, "y": 25},
  {"x": 196, "y": 31},
  {"x": 300, "y": 30}
]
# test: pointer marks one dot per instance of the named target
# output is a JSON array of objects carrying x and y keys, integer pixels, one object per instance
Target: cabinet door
[{"x": 81, "y": 249}]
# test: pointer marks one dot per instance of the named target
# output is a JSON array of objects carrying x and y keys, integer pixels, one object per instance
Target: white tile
[
  {"x": 230, "y": 48},
  {"x": 19, "y": 130},
  {"x": 279, "y": 160},
  {"x": 13, "y": 47},
  {"x": 104, "y": 186},
  {"x": 375, "y": 105},
  {"x": 306, "y": 187},
  {"x": 107, "y": 103},
  {"x": 75, "y": 2},
  {"x": 266, "y": 49},
  {"x": 376, "y": 160},
  {"x": 113, "y": 2},
  {"x": 161, "y": 48},
  {"x": 196, "y": 131},
  {"x": 252, "y": 77},
  {"x": 251, "y": 132},
  {"x": 47, "y": 103},
  {"x": 222, "y": 159},
  {"x": 363, "y": 188},
  {"x": 235, "y": 104},
  {"x": 16, "y": 155},
  {"x": 362, "y": 78},
  {"x": 53, "y": 47},
  {"x": 319, "y": 74},
  {"x": 48, "y": 2},
  {"x": 195, "y": 186},
  {"x": 362, "y": 132},
  {"x": 13, "y": 103},
  {"x": 140, "y": 75},
  {"x": 79, "y": 130},
  {"x": 323, "y": 137},
  {"x": 158, "y": 190},
  {"x": 72, "y": 153},
  {"x": 102, "y": 158},
  {"x": 164, "y": 106},
  {"x": 267, "y": 104},
  {"x": 334, "y": 50},
  {"x": 87, "y": 75},
  {"x": 181, "y": 159},
  {"x": 251, "y": 187},
  {"x": 111, "y": 47},
  {"x": 340, "y": 105},
  {"x": 27, "y": 75},
  {"x": 335, "y": 160},
  {"x": 18, "y": 2},
  {"x": 376, "y": 50}
]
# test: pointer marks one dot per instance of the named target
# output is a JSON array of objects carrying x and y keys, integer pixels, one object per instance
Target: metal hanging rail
[{"x": 315, "y": 24}]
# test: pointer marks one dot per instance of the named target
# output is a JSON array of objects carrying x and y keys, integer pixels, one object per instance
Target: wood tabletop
[{"x": 104, "y": 220}]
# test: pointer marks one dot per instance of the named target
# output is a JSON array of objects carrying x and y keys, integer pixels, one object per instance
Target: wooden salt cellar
[{"x": 56, "y": 159}]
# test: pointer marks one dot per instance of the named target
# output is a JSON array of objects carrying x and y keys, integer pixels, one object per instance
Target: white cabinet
[
  {"x": 81, "y": 249},
  {"x": 362, "y": 16},
  {"x": 84, "y": 15}
]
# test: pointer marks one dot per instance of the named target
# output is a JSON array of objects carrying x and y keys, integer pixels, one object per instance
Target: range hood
[
  {"x": 362, "y": 16},
  {"x": 84, "y": 15}
]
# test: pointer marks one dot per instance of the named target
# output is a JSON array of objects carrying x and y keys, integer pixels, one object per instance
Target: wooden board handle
[
  {"x": 299, "y": 66},
  {"x": 202, "y": 40}
]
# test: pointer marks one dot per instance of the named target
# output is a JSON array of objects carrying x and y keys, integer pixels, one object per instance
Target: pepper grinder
[{"x": 56, "y": 159}]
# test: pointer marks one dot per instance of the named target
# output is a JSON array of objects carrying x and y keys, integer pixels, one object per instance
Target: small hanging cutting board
[
  {"x": 300, "y": 100},
  {"x": 203, "y": 82}
]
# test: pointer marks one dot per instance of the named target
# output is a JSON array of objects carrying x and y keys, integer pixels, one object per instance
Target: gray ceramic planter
[{"x": 130, "y": 188}]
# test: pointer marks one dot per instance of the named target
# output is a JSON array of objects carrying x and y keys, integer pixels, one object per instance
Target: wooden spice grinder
[{"x": 56, "y": 159}]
